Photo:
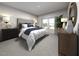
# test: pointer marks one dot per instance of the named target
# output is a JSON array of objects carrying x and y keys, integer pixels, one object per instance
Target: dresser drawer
[
  {"x": 67, "y": 44},
  {"x": 9, "y": 34}
]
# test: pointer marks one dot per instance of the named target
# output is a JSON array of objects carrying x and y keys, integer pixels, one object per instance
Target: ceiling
[{"x": 37, "y": 8}]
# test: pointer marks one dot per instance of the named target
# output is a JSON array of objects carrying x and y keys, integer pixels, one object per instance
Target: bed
[{"x": 30, "y": 33}]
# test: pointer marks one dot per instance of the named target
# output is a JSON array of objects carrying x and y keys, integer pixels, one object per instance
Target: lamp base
[{"x": 63, "y": 25}]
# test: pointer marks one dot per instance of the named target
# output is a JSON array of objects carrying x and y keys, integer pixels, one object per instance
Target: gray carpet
[{"x": 48, "y": 46}]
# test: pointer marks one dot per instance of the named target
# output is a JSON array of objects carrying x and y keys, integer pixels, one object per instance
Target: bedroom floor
[{"x": 46, "y": 47}]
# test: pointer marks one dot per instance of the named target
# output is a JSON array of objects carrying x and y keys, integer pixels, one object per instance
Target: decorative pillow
[
  {"x": 24, "y": 25},
  {"x": 30, "y": 25}
]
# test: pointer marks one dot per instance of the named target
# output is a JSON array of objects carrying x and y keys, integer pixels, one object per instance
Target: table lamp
[
  {"x": 6, "y": 20},
  {"x": 64, "y": 20}
]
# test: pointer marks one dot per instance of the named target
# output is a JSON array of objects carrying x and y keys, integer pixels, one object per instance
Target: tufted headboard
[{"x": 21, "y": 21}]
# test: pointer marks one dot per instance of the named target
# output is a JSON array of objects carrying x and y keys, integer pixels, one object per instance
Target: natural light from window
[{"x": 49, "y": 23}]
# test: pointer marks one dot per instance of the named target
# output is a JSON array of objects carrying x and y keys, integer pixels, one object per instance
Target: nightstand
[{"x": 9, "y": 33}]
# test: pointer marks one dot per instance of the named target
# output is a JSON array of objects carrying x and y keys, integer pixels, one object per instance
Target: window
[
  {"x": 49, "y": 23},
  {"x": 45, "y": 23}
]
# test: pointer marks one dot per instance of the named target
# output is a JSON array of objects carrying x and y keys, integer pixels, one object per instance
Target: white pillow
[{"x": 24, "y": 26}]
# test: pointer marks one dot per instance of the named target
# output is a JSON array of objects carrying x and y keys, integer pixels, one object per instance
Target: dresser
[
  {"x": 9, "y": 34},
  {"x": 67, "y": 43}
]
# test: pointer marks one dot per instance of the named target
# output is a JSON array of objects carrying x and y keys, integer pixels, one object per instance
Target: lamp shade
[
  {"x": 6, "y": 19},
  {"x": 64, "y": 19}
]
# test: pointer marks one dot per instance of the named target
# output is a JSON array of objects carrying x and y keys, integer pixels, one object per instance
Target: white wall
[
  {"x": 53, "y": 14},
  {"x": 8, "y": 11}
]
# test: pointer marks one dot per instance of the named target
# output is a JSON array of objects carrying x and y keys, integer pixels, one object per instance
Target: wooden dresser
[
  {"x": 9, "y": 34},
  {"x": 67, "y": 43}
]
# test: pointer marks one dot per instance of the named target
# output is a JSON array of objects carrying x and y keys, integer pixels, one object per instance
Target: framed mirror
[{"x": 72, "y": 12}]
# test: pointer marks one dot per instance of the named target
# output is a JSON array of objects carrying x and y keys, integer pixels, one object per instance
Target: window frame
[{"x": 48, "y": 26}]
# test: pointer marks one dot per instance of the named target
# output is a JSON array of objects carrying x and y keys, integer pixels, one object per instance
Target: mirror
[{"x": 72, "y": 12}]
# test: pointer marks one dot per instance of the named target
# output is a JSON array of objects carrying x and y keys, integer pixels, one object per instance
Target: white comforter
[{"x": 32, "y": 37}]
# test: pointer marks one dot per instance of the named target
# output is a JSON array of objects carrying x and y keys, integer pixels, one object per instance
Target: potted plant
[{"x": 58, "y": 23}]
